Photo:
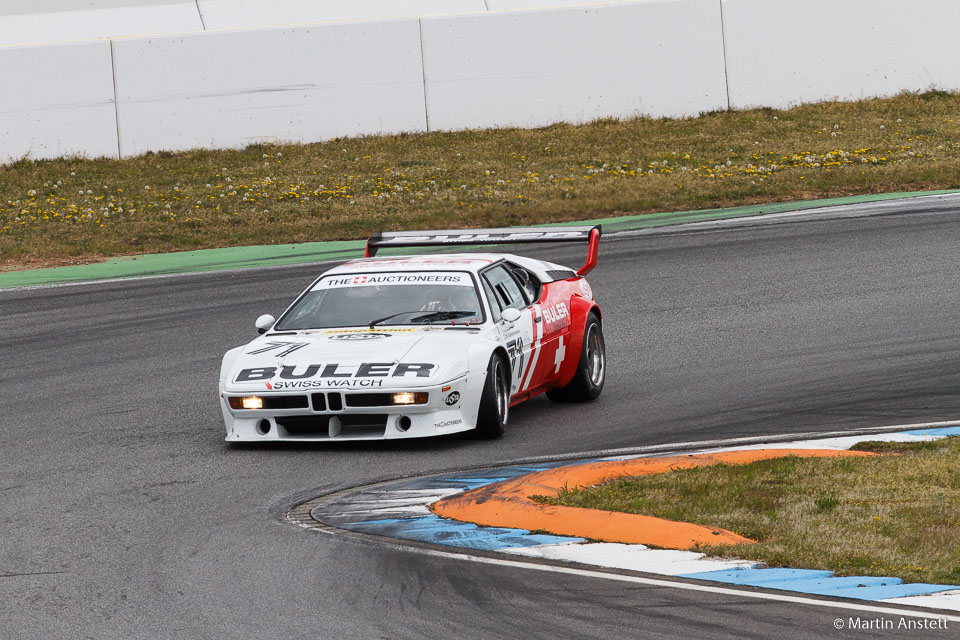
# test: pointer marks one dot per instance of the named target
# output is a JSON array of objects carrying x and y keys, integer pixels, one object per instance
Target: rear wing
[{"x": 515, "y": 235}]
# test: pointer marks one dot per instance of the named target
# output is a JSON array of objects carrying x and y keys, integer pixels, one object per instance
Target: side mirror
[
  {"x": 510, "y": 314},
  {"x": 264, "y": 323}
]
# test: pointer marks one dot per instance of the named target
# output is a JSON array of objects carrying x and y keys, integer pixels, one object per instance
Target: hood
[{"x": 351, "y": 358}]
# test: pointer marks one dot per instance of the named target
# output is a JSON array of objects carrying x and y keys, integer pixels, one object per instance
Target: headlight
[
  {"x": 246, "y": 402},
  {"x": 408, "y": 397}
]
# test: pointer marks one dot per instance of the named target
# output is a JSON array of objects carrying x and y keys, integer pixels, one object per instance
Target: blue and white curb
[{"x": 400, "y": 510}]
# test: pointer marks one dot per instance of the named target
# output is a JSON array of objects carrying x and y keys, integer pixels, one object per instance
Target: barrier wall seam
[
  {"x": 723, "y": 40},
  {"x": 423, "y": 75},
  {"x": 200, "y": 13},
  {"x": 116, "y": 101}
]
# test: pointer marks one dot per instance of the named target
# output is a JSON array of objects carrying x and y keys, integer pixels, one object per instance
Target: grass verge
[
  {"x": 73, "y": 210},
  {"x": 891, "y": 515}
]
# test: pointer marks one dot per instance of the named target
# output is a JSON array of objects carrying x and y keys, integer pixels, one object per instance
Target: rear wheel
[
  {"x": 495, "y": 399},
  {"x": 591, "y": 372}
]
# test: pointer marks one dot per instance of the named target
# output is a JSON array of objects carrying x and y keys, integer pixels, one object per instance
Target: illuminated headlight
[
  {"x": 246, "y": 402},
  {"x": 408, "y": 397}
]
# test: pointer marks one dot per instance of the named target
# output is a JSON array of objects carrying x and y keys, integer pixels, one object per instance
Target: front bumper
[{"x": 334, "y": 415}]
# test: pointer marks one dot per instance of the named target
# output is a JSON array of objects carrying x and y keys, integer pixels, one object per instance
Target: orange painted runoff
[{"x": 507, "y": 503}]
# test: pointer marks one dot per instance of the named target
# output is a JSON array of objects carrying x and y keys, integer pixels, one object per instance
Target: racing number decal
[
  {"x": 286, "y": 348},
  {"x": 515, "y": 349}
]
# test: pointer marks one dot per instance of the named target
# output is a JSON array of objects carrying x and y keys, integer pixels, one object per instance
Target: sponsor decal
[
  {"x": 556, "y": 313},
  {"x": 285, "y": 348},
  {"x": 325, "y": 384},
  {"x": 335, "y": 371},
  {"x": 585, "y": 289},
  {"x": 473, "y": 238},
  {"x": 447, "y": 423},
  {"x": 453, "y": 278},
  {"x": 453, "y": 398},
  {"x": 369, "y": 335}
]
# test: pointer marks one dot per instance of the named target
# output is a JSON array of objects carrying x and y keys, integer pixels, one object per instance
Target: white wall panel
[
  {"x": 783, "y": 52},
  {"x": 536, "y": 68},
  {"x": 57, "y": 20},
  {"x": 233, "y": 88},
  {"x": 245, "y": 13},
  {"x": 57, "y": 100}
]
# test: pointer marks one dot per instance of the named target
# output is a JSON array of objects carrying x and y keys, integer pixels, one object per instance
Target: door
[{"x": 504, "y": 292}]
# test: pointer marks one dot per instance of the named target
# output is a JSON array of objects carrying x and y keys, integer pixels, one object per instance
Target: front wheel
[
  {"x": 495, "y": 399},
  {"x": 587, "y": 383}
]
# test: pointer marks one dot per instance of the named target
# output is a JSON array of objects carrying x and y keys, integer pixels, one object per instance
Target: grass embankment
[
  {"x": 890, "y": 515},
  {"x": 69, "y": 211}
]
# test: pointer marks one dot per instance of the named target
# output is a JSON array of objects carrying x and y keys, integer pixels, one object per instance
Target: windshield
[{"x": 385, "y": 299}]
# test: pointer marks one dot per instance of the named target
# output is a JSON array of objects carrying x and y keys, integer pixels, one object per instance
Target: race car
[{"x": 420, "y": 345}]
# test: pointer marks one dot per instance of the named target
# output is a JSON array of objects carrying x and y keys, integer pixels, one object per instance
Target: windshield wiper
[
  {"x": 428, "y": 317},
  {"x": 392, "y": 315},
  {"x": 443, "y": 315}
]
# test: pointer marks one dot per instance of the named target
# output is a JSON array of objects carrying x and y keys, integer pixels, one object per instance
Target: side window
[
  {"x": 529, "y": 282},
  {"x": 505, "y": 289},
  {"x": 495, "y": 307}
]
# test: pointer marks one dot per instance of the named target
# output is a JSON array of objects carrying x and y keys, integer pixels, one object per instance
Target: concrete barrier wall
[
  {"x": 229, "y": 88},
  {"x": 57, "y": 100},
  {"x": 781, "y": 53},
  {"x": 234, "y": 88},
  {"x": 32, "y": 21},
  {"x": 218, "y": 14},
  {"x": 536, "y": 68}
]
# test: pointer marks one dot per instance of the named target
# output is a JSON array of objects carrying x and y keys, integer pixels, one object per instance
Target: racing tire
[
  {"x": 495, "y": 399},
  {"x": 591, "y": 372}
]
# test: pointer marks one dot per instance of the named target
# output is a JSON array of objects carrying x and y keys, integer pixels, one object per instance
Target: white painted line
[
  {"x": 418, "y": 492},
  {"x": 942, "y": 600},
  {"x": 828, "y": 443},
  {"x": 418, "y": 508},
  {"x": 398, "y": 502},
  {"x": 698, "y": 445},
  {"x": 829, "y": 212},
  {"x": 836, "y": 443},
  {"x": 633, "y": 557}
]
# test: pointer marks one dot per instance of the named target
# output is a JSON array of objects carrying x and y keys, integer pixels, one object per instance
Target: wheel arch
[
  {"x": 581, "y": 309},
  {"x": 478, "y": 359}
]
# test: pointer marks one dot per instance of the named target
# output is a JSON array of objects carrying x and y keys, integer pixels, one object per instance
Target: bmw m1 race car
[{"x": 414, "y": 346}]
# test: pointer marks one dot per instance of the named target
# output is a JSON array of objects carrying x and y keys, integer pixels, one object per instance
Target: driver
[{"x": 454, "y": 299}]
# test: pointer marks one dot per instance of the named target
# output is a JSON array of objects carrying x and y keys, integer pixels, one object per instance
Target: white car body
[{"x": 339, "y": 383}]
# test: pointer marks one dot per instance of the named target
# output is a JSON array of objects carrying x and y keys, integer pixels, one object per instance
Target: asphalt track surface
[{"x": 125, "y": 515}]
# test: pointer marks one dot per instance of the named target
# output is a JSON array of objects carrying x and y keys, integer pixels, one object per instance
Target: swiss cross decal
[
  {"x": 360, "y": 280},
  {"x": 558, "y": 358}
]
